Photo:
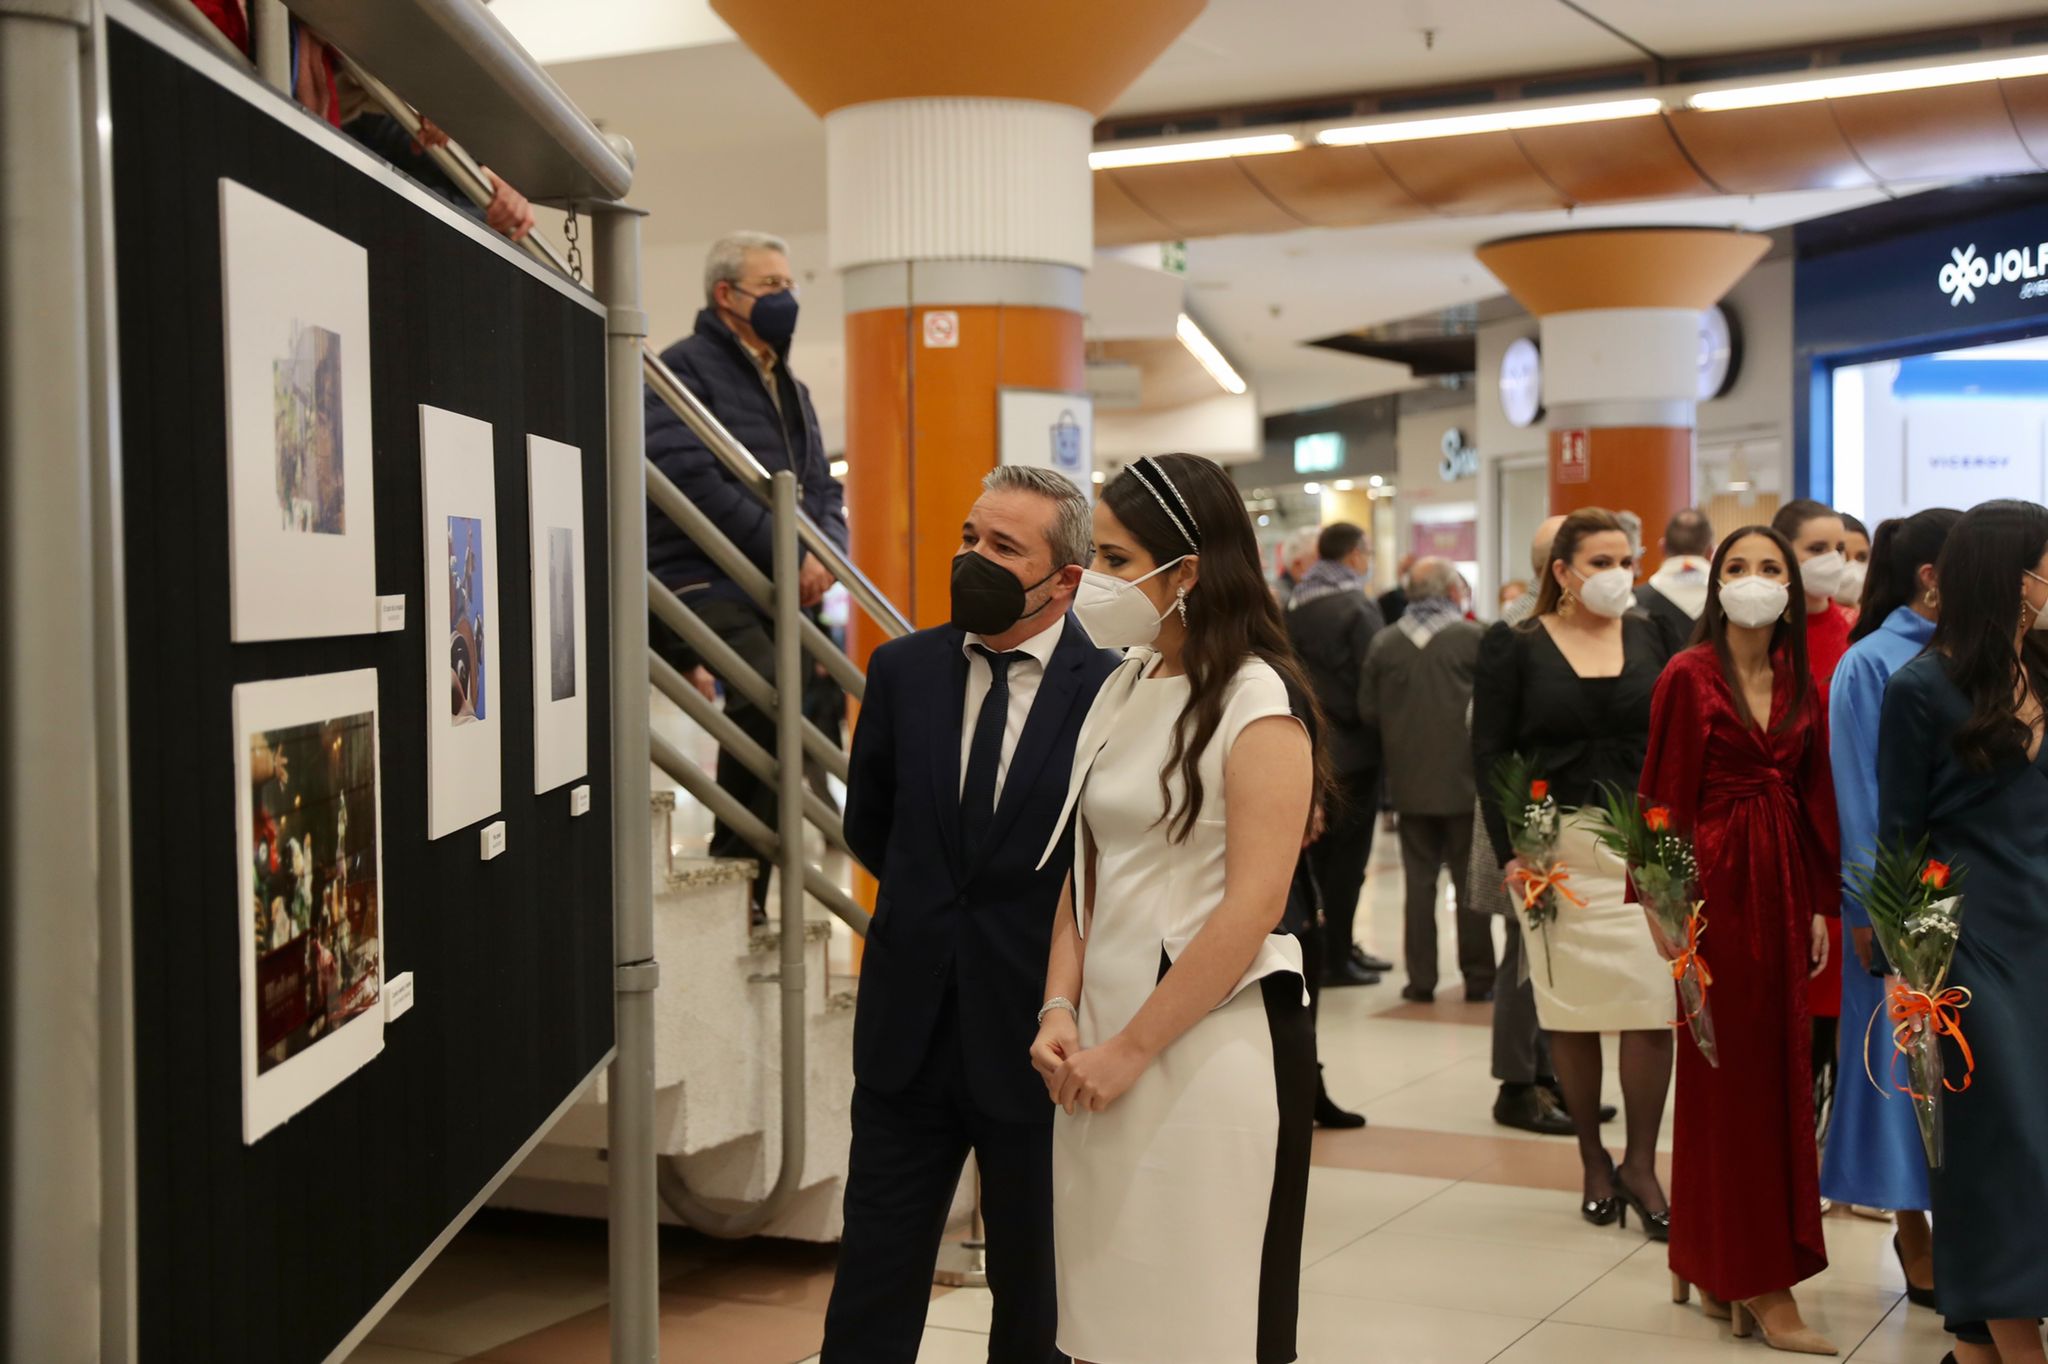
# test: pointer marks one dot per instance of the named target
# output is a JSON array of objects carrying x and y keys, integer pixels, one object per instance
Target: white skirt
[{"x": 1595, "y": 967}]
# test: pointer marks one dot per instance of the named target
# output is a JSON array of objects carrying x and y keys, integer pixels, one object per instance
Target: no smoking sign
[{"x": 941, "y": 330}]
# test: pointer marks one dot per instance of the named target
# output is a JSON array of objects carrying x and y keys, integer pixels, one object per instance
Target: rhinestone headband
[{"x": 1149, "y": 473}]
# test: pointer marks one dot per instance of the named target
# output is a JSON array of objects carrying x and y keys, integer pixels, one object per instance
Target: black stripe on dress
[{"x": 1294, "y": 1081}]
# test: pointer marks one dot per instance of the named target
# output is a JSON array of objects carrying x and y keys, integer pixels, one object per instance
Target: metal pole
[
  {"x": 50, "y": 1101},
  {"x": 270, "y": 26},
  {"x": 119, "y": 1342},
  {"x": 629, "y": 1111}
]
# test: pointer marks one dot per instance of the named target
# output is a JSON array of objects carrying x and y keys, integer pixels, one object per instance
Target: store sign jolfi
[
  {"x": 1965, "y": 272},
  {"x": 1574, "y": 456}
]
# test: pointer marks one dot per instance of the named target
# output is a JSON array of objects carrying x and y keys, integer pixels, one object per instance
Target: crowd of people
[{"x": 1121, "y": 808}]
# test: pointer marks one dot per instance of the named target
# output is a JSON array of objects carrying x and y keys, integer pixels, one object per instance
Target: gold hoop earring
[
  {"x": 1933, "y": 600},
  {"x": 1566, "y": 606}
]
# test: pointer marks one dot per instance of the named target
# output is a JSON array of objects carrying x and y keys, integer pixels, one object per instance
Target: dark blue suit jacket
[{"x": 985, "y": 929}]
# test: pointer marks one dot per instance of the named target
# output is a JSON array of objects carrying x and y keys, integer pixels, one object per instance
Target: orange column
[{"x": 1621, "y": 312}]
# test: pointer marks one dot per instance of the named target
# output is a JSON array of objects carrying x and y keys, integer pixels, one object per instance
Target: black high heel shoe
[
  {"x": 1604, "y": 1212},
  {"x": 1656, "y": 1225},
  {"x": 1919, "y": 1297}
]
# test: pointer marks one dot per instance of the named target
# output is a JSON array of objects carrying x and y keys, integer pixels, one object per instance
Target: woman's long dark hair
[
  {"x": 1231, "y": 613},
  {"x": 1788, "y": 636},
  {"x": 1989, "y": 553},
  {"x": 1563, "y": 549},
  {"x": 1897, "y": 552}
]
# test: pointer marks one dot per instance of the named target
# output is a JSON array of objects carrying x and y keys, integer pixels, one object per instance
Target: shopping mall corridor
[{"x": 1433, "y": 1237}]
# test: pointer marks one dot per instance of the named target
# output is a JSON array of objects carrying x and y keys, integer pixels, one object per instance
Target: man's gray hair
[
  {"x": 1072, "y": 534},
  {"x": 726, "y": 262},
  {"x": 1433, "y": 580}
]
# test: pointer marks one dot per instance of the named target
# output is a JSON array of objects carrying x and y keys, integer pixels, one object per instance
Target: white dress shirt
[{"x": 1026, "y": 672}]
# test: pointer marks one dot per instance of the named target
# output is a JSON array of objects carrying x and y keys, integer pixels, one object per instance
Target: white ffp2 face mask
[
  {"x": 1754, "y": 603},
  {"x": 1849, "y": 591},
  {"x": 2040, "y": 621},
  {"x": 1114, "y": 612},
  {"x": 1610, "y": 592},
  {"x": 1822, "y": 574}
]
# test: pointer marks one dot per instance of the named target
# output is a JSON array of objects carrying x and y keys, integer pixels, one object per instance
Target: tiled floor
[{"x": 1433, "y": 1237}]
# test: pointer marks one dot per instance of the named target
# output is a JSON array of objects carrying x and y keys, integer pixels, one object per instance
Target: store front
[{"x": 1923, "y": 357}]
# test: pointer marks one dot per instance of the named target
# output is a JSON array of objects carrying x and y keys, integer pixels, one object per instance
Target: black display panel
[{"x": 274, "y": 1252}]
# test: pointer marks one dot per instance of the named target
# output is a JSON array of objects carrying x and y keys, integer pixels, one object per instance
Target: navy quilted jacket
[{"x": 712, "y": 364}]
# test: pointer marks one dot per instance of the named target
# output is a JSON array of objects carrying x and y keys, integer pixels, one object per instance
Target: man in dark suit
[{"x": 959, "y": 773}]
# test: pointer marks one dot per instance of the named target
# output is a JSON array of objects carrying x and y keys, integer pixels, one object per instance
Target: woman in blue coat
[{"x": 1873, "y": 1157}]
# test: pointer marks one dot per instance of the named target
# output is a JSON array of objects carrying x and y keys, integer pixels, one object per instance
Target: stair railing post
[{"x": 634, "y": 1201}]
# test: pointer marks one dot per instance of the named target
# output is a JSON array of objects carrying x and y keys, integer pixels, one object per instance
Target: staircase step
[{"x": 769, "y": 938}]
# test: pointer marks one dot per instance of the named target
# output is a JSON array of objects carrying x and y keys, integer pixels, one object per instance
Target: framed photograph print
[
  {"x": 464, "y": 690},
  {"x": 311, "y": 911},
  {"x": 302, "y": 525},
  {"x": 561, "y": 677}
]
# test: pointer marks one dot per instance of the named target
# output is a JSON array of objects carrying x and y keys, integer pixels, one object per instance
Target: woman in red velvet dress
[
  {"x": 1758, "y": 801},
  {"x": 1819, "y": 537}
]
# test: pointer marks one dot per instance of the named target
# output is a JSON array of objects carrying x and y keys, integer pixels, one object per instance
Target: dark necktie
[{"x": 985, "y": 752}]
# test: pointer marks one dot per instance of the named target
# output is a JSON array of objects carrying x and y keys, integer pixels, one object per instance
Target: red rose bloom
[
  {"x": 1539, "y": 790},
  {"x": 1657, "y": 818},
  {"x": 1935, "y": 874}
]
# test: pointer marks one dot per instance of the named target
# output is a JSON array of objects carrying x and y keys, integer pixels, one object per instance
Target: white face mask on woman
[
  {"x": 1610, "y": 592},
  {"x": 2040, "y": 621},
  {"x": 1822, "y": 574},
  {"x": 1849, "y": 590},
  {"x": 1114, "y": 612},
  {"x": 1754, "y": 603}
]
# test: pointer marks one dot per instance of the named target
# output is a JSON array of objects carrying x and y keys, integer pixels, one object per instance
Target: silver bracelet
[{"x": 1059, "y": 1002}]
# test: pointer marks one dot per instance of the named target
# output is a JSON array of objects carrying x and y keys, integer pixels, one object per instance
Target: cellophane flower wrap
[
  {"x": 1666, "y": 876},
  {"x": 1915, "y": 905},
  {"x": 1533, "y": 820}
]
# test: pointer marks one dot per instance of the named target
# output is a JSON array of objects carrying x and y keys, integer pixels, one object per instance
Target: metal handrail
[{"x": 468, "y": 176}]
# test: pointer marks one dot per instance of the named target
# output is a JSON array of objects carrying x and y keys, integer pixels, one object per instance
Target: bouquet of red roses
[
  {"x": 1666, "y": 876},
  {"x": 1540, "y": 886},
  {"x": 1915, "y": 905}
]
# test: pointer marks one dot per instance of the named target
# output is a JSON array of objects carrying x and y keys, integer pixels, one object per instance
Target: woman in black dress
[
  {"x": 1569, "y": 690},
  {"x": 1960, "y": 761}
]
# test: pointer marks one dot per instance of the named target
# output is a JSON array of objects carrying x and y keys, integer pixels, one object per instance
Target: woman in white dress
[{"x": 1176, "y": 1035}]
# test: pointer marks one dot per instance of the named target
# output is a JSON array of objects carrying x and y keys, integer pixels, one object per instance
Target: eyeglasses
[{"x": 771, "y": 284}]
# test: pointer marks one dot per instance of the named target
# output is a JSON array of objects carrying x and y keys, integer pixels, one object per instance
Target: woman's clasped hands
[{"x": 1078, "y": 1078}]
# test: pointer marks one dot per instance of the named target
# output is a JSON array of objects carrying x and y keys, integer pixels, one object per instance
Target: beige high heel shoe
[
  {"x": 1710, "y": 1306},
  {"x": 1804, "y": 1341}
]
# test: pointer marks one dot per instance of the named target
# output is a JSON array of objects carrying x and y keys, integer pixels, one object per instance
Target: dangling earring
[
  {"x": 1566, "y": 605},
  {"x": 1180, "y": 604},
  {"x": 1933, "y": 600}
]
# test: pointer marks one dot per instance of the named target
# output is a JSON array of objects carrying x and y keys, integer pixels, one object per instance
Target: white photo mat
[
  {"x": 272, "y": 1095},
  {"x": 464, "y": 752},
  {"x": 295, "y": 300},
  {"x": 561, "y": 672}
]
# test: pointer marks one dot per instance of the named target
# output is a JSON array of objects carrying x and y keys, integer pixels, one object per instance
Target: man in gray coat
[{"x": 1415, "y": 690}]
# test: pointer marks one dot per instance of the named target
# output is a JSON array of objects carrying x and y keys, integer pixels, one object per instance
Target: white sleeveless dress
[{"x": 1178, "y": 1211}]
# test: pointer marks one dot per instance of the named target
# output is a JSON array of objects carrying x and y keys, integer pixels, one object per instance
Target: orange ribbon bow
[
  {"x": 1695, "y": 925},
  {"x": 1531, "y": 884},
  {"x": 1941, "y": 1013}
]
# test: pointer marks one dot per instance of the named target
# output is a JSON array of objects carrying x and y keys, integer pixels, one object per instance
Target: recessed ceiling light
[
  {"x": 1492, "y": 121},
  {"x": 1869, "y": 83},
  {"x": 1211, "y": 149}
]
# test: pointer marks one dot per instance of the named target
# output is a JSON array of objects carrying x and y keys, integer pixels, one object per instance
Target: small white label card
[
  {"x": 493, "y": 839},
  {"x": 397, "y": 996}
]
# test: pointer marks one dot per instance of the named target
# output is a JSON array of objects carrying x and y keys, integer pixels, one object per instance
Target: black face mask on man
[
  {"x": 774, "y": 316},
  {"x": 988, "y": 599}
]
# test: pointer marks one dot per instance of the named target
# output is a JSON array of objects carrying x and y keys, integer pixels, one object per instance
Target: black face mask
[
  {"x": 987, "y": 598},
  {"x": 774, "y": 317}
]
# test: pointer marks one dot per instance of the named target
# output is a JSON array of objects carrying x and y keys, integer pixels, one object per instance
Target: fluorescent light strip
[
  {"x": 1868, "y": 83},
  {"x": 1204, "y": 350},
  {"x": 1492, "y": 121},
  {"x": 1215, "y": 149}
]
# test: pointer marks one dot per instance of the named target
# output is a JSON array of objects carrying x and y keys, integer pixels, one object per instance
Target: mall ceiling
[{"x": 722, "y": 143}]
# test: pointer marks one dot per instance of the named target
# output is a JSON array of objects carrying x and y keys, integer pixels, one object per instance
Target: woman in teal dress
[
  {"x": 1873, "y": 1157},
  {"x": 1961, "y": 762}
]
